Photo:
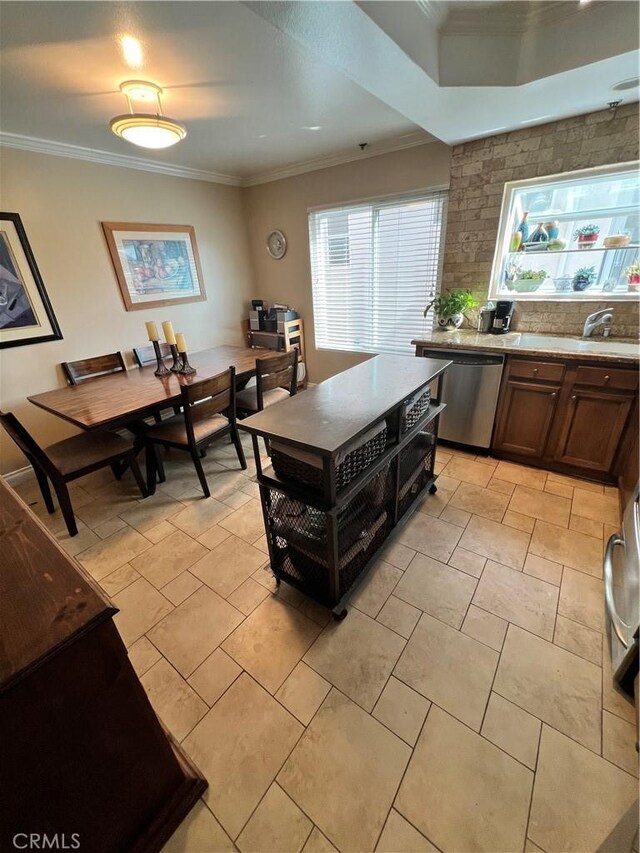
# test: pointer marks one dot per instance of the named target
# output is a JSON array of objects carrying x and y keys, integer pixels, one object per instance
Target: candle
[
  {"x": 181, "y": 342},
  {"x": 152, "y": 331},
  {"x": 169, "y": 336}
]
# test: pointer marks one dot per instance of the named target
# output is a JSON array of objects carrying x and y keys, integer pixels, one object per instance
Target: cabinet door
[
  {"x": 524, "y": 418},
  {"x": 591, "y": 426}
]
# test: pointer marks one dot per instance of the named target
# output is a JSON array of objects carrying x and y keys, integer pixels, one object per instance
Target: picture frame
[
  {"x": 156, "y": 265},
  {"x": 26, "y": 314}
]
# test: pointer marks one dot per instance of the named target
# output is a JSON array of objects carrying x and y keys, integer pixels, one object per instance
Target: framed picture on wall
[
  {"x": 155, "y": 265},
  {"x": 26, "y": 315}
]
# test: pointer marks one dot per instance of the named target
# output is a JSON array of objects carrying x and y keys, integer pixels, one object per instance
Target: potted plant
[
  {"x": 587, "y": 236},
  {"x": 583, "y": 278},
  {"x": 633, "y": 276},
  {"x": 526, "y": 281},
  {"x": 449, "y": 308}
]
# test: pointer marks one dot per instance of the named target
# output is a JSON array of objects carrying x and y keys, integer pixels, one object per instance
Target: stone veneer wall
[{"x": 479, "y": 170}]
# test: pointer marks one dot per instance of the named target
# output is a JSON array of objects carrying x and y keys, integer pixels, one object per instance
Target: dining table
[{"x": 122, "y": 398}]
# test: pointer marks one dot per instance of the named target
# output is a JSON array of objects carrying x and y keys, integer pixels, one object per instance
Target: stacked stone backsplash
[{"x": 479, "y": 170}]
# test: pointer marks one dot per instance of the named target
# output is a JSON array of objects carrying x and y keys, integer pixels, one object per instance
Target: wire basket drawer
[{"x": 414, "y": 408}]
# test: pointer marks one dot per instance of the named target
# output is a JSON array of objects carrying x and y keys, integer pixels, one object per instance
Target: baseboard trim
[{"x": 20, "y": 475}]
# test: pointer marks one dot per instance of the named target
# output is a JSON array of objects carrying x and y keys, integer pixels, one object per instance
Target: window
[
  {"x": 592, "y": 219},
  {"x": 375, "y": 267}
]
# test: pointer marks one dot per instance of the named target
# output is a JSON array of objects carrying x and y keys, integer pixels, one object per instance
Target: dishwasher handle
[{"x": 465, "y": 358}]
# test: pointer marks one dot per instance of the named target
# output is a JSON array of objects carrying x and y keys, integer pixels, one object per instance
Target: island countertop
[{"x": 624, "y": 352}]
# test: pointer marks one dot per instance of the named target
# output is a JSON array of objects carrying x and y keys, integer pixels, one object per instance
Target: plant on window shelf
[
  {"x": 587, "y": 236},
  {"x": 449, "y": 308},
  {"x": 633, "y": 273},
  {"x": 583, "y": 278},
  {"x": 525, "y": 281}
]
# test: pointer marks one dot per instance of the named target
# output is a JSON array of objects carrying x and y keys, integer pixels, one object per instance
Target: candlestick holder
[
  {"x": 162, "y": 369},
  {"x": 176, "y": 367},
  {"x": 186, "y": 369}
]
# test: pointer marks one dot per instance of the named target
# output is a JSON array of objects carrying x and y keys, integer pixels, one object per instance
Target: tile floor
[{"x": 465, "y": 703}]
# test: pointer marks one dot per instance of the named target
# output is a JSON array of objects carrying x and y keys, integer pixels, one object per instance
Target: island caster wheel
[
  {"x": 277, "y": 581},
  {"x": 433, "y": 489},
  {"x": 339, "y": 615}
]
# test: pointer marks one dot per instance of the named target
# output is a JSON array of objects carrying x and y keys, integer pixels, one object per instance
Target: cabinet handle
[
  {"x": 607, "y": 378},
  {"x": 553, "y": 394},
  {"x": 574, "y": 397},
  {"x": 535, "y": 369}
]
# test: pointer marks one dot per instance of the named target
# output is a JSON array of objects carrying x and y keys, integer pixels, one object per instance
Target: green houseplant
[
  {"x": 526, "y": 281},
  {"x": 583, "y": 278},
  {"x": 587, "y": 236},
  {"x": 449, "y": 308}
]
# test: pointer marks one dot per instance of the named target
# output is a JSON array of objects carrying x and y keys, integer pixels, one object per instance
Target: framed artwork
[
  {"x": 155, "y": 264},
  {"x": 26, "y": 315}
]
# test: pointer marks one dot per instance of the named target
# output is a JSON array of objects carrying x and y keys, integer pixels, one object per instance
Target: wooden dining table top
[{"x": 116, "y": 398}]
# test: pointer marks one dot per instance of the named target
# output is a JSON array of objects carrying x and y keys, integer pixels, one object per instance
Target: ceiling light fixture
[
  {"x": 312, "y": 127},
  {"x": 146, "y": 129}
]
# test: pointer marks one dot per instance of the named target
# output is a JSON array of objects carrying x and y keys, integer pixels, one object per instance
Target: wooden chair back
[
  {"x": 279, "y": 371},
  {"x": 26, "y": 442},
  {"x": 147, "y": 355},
  {"x": 294, "y": 336},
  {"x": 203, "y": 400},
  {"x": 89, "y": 368}
]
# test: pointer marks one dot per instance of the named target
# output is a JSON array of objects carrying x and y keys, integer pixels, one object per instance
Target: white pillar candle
[
  {"x": 181, "y": 342},
  {"x": 169, "y": 336},
  {"x": 152, "y": 331}
]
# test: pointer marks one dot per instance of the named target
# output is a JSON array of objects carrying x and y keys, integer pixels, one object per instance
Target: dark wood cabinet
[{"x": 525, "y": 417}]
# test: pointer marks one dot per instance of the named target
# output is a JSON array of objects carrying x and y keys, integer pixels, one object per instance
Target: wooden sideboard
[{"x": 83, "y": 754}]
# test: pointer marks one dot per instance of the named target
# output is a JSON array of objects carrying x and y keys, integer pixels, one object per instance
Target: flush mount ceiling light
[{"x": 149, "y": 130}]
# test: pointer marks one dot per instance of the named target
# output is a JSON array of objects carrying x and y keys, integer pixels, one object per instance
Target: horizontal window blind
[{"x": 375, "y": 266}]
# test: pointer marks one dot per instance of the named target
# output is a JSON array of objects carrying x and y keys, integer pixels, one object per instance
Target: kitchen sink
[{"x": 591, "y": 345}]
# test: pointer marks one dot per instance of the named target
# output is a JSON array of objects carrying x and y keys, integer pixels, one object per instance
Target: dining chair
[
  {"x": 209, "y": 412},
  {"x": 276, "y": 379},
  {"x": 69, "y": 459},
  {"x": 89, "y": 368}
]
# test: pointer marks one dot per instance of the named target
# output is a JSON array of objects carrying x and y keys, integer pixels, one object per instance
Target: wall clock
[{"x": 277, "y": 245}]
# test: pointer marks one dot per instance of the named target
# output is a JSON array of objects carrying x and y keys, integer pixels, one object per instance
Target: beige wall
[
  {"x": 62, "y": 203},
  {"x": 284, "y": 204}
]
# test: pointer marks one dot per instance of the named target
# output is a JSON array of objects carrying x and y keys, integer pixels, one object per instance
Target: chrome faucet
[{"x": 598, "y": 318}]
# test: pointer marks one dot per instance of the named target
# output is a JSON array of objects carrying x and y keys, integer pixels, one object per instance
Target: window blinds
[{"x": 375, "y": 266}]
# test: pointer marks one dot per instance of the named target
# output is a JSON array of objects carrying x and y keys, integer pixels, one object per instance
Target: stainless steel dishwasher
[{"x": 470, "y": 390}]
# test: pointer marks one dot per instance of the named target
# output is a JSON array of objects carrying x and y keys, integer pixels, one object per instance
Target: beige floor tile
[
  {"x": 430, "y": 536},
  {"x": 199, "y": 515},
  {"x": 342, "y": 655},
  {"x": 578, "y": 639},
  {"x": 105, "y": 529},
  {"x": 496, "y": 541},
  {"x": 484, "y": 502},
  {"x": 586, "y": 525},
  {"x": 512, "y": 729},
  {"x": 468, "y": 471},
  {"x": 109, "y": 554},
  {"x": 177, "y": 705},
  {"x": 518, "y": 521},
  {"x": 247, "y": 522},
  {"x": 468, "y": 562},
  {"x": 143, "y": 655},
  {"x": 602, "y": 508},
  {"x": 103, "y": 507},
  {"x": 544, "y": 570},
  {"x": 376, "y": 588},
  {"x": 398, "y": 836},
  {"x": 141, "y": 606},
  {"x": 159, "y": 532},
  {"x": 501, "y": 486},
  {"x": 595, "y": 796},
  {"x": 437, "y": 589},
  {"x": 181, "y": 478},
  {"x": 554, "y": 685},
  {"x": 317, "y": 843},
  {"x": 396, "y": 554},
  {"x": 119, "y": 580},
  {"x": 582, "y": 599},
  {"x": 485, "y": 627},
  {"x": 399, "y": 616},
  {"x": 448, "y": 483},
  {"x": 271, "y": 641},
  {"x": 213, "y": 537},
  {"x": 248, "y": 596},
  {"x": 303, "y": 692},
  {"x": 619, "y": 742},
  {"x": 239, "y": 746},
  {"x": 541, "y": 505},
  {"x": 214, "y": 676},
  {"x": 314, "y": 611},
  {"x": 455, "y": 516},
  {"x": 169, "y": 558},
  {"x": 530, "y": 847},
  {"x": 575, "y": 482},
  {"x": 518, "y": 598},
  {"x": 402, "y": 710},
  {"x": 228, "y": 565},
  {"x": 179, "y": 589},
  {"x": 151, "y": 512},
  {"x": 277, "y": 825},
  {"x": 433, "y": 653},
  {"x": 613, "y": 699},
  {"x": 559, "y": 489},
  {"x": 236, "y": 499},
  {"x": 434, "y": 504},
  {"x": 567, "y": 547},
  {"x": 344, "y": 772},
  {"x": 199, "y": 832},
  {"x": 520, "y": 475},
  {"x": 193, "y": 630},
  {"x": 462, "y": 792}
]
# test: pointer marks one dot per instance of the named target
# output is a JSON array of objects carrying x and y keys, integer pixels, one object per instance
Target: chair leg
[
  {"x": 151, "y": 459},
  {"x": 45, "y": 491},
  {"x": 158, "y": 463},
  {"x": 197, "y": 464},
  {"x": 65, "y": 505},
  {"x": 117, "y": 469},
  {"x": 135, "y": 470},
  {"x": 235, "y": 437}
]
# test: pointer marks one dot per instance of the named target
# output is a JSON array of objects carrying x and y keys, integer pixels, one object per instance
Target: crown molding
[
  {"x": 106, "y": 158},
  {"x": 412, "y": 141}
]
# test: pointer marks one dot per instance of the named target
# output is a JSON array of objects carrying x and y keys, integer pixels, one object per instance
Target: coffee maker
[{"x": 502, "y": 317}]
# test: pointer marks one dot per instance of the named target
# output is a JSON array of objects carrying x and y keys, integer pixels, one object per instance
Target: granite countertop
[{"x": 527, "y": 343}]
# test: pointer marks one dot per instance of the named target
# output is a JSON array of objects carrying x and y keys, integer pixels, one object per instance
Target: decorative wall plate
[{"x": 276, "y": 245}]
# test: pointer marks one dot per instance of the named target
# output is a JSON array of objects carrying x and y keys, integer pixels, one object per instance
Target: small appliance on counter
[
  {"x": 502, "y": 317},
  {"x": 485, "y": 317},
  {"x": 278, "y": 316},
  {"x": 257, "y": 315}
]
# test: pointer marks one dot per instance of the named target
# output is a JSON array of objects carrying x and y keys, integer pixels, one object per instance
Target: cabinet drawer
[
  {"x": 603, "y": 377},
  {"x": 546, "y": 370}
]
